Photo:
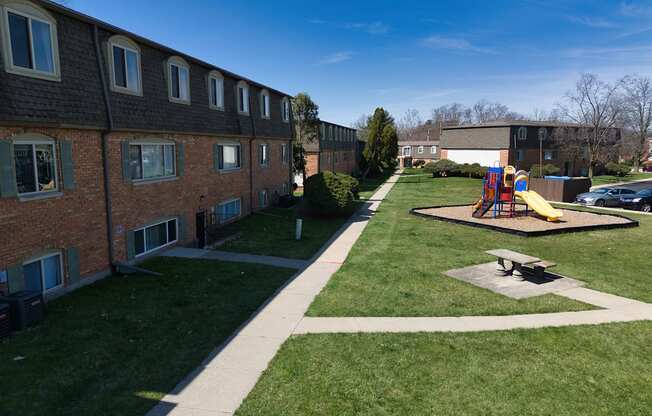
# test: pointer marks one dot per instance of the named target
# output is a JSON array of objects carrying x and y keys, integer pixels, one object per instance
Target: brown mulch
[{"x": 529, "y": 223}]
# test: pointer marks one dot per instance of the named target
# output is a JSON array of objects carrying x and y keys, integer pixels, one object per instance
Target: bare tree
[
  {"x": 637, "y": 103},
  {"x": 453, "y": 114},
  {"x": 362, "y": 127},
  {"x": 596, "y": 107},
  {"x": 408, "y": 124},
  {"x": 539, "y": 114}
]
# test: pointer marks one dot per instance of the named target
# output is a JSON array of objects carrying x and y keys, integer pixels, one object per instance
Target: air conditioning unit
[
  {"x": 26, "y": 309},
  {"x": 5, "y": 323}
]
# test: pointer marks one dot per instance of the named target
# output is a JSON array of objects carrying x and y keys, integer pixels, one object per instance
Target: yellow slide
[{"x": 540, "y": 205}]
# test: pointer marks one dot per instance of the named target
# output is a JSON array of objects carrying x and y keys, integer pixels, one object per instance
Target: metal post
[{"x": 297, "y": 230}]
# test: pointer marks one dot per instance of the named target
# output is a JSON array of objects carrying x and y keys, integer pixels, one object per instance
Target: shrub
[
  {"x": 418, "y": 163},
  {"x": 618, "y": 169},
  {"x": 473, "y": 170},
  {"x": 443, "y": 167},
  {"x": 329, "y": 193},
  {"x": 548, "y": 170}
]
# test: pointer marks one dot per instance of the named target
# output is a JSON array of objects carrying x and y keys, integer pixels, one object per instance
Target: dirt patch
[{"x": 527, "y": 225}]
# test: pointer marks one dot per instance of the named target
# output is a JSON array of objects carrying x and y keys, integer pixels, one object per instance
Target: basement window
[
  {"x": 155, "y": 236},
  {"x": 229, "y": 210},
  {"x": 43, "y": 274}
]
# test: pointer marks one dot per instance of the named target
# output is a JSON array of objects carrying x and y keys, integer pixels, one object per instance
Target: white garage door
[{"x": 483, "y": 157}]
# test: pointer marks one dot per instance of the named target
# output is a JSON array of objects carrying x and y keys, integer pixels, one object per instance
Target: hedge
[{"x": 328, "y": 193}]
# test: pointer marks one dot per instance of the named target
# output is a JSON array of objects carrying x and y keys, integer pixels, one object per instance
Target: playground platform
[{"x": 531, "y": 225}]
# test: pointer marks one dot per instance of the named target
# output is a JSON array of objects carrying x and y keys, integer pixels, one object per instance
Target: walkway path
[
  {"x": 225, "y": 378},
  {"x": 198, "y": 253}
]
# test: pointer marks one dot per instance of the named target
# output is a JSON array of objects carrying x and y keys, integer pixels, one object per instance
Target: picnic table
[{"x": 520, "y": 263}]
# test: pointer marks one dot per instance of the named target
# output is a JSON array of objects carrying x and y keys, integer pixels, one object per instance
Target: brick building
[
  {"x": 420, "y": 144},
  {"x": 334, "y": 149},
  {"x": 113, "y": 146},
  {"x": 519, "y": 143}
]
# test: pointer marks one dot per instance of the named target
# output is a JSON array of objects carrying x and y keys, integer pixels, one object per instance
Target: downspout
[
  {"x": 105, "y": 148},
  {"x": 251, "y": 155},
  {"x": 291, "y": 150}
]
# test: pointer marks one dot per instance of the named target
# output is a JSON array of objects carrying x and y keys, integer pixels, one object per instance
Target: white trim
[
  {"x": 265, "y": 107},
  {"x": 420, "y": 150},
  {"x": 144, "y": 230},
  {"x": 433, "y": 149},
  {"x": 127, "y": 45},
  {"x": 219, "y": 78},
  {"x": 522, "y": 133},
  {"x": 409, "y": 152},
  {"x": 33, "y": 143},
  {"x": 285, "y": 110},
  {"x": 239, "y": 145},
  {"x": 40, "y": 259},
  {"x": 263, "y": 162},
  {"x": 181, "y": 64}
]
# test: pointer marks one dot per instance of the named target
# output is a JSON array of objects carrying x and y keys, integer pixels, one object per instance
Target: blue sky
[{"x": 352, "y": 56}]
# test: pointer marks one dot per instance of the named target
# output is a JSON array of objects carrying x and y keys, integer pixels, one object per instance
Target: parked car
[
  {"x": 603, "y": 197},
  {"x": 641, "y": 201}
]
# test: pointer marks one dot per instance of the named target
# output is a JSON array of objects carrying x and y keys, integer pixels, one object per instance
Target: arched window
[
  {"x": 242, "y": 96},
  {"x": 216, "y": 90},
  {"x": 29, "y": 40},
  {"x": 285, "y": 109},
  {"x": 124, "y": 62},
  {"x": 522, "y": 133},
  {"x": 264, "y": 104},
  {"x": 178, "y": 73}
]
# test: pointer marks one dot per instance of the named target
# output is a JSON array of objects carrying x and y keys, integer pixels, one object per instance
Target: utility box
[
  {"x": 25, "y": 308},
  {"x": 5, "y": 321}
]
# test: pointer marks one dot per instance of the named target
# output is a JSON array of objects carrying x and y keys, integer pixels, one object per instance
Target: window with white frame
[
  {"x": 522, "y": 133},
  {"x": 229, "y": 210},
  {"x": 433, "y": 150},
  {"x": 407, "y": 150},
  {"x": 285, "y": 109},
  {"x": 44, "y": 273},
  {"x": 152, "y": 237},
  {"x": 178, "y": 80},
  {"x": 549, "y": 155},
  {"x": 35, "y": 164},
  {"x": 124, "y": 56},
  {"x": 262, "y": 198},
  {"x": 263, "y": 154},
  {"x": 284, "y": 154},
  {"x": 151, "y": 160},
  {"x": 30, "y": 41},
  {"x": 264, "y": 104},
  {"x": 420, "y": 149},
  {"x": 242, "y": 96},
  {"x": 216, "y": 90},
  {"x": 229, "y": 156}
]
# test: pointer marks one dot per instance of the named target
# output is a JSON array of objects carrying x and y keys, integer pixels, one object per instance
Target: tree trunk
[{"x": 591, "y": 170}]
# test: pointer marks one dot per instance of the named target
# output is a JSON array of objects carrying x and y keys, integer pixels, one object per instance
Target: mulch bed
[{"x": 526, "y": 225}]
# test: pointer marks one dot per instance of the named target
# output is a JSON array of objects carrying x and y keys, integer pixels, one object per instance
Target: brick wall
[{"x": 312, "y": 163}]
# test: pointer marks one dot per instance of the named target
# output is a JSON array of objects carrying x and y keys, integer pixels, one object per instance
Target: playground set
[{"x": 502, "y": 191}]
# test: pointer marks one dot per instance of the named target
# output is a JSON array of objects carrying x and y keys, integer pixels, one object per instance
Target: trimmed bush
[
  {"x": 443, "y": 167},
  {"x": 418, "y": 163},
  {"x": 618, "y": 169},
  {"x": 548, "y": 170},
  {"x": 329, "y": 193}
]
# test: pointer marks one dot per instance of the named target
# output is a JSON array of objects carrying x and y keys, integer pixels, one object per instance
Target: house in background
[
  {"x": 113, "y": 147},
  {"x": 334, "y": 149},
  {"x": 422, "y": 143},
  {"x": 519, "y": 143}
]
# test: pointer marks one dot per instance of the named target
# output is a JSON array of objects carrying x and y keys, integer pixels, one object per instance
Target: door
[{"x": 200, "y": 226}]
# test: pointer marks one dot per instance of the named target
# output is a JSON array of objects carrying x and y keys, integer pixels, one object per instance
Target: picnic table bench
[{"x": 520, "y": 263}]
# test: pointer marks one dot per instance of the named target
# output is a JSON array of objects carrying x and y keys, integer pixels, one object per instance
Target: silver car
[{"x": 603, "y": 197}]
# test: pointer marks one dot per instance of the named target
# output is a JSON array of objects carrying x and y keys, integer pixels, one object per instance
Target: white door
[{"x": 483, "y": 157}]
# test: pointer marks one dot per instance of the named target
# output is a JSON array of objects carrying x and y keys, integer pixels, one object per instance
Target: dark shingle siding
[{"x": 476, "y": 138}]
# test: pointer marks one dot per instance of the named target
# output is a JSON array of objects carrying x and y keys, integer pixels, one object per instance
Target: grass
[
  {"x": 607, "y": 179},
  {"x": 369, "y": 186},
  {"x": 271, "y": 233},
  {"x": 590, "y": 370},
  {"x": 117, "y": 346},
  {"x": 395, "y": 268}
]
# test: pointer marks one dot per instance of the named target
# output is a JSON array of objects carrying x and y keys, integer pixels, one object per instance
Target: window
[
  {"x": 262, "y": 198},
  {"x": 549, "y": 155},
  {"x": 433, "y": 150},
  {"x": 284, "y": 154},
  {"x": 228, "y": 210},
  {"x": 229, "y": 156},
  {"x": 155, "y": 236},
  {"x": 36, "y": 167},
  {"x": 285, "y": 110},
  {"x": 243, "y": 97},
  {"x": 264, "y": 104},
  {"x": 125, "y": 69},
  {"x": 43, "y": 274},
  {"x": 263, "y": 154},
  {"x": 3, "y": 276},
  {"x": 522, "y": 133},
  {"x": 178, "y": 80},
  {"x": 216, "y": 90},
  {"x": 30, "y": 42},
  {"x": 285, "y": 192},
  {"x": 519, "y": 155},
  {"x": 151, "y": 161},
  {"x": 407, "y": 150},
  {"x": 420, "y": 149}
]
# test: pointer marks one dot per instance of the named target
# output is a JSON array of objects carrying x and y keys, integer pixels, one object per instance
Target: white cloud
[
  {"x": 596, "y": 22},
  {"x": 633, "y": 9},
  {"x": 454, "y": 44},
  {"x": 336, "y": 58},
  {"x": 373, "y": 28}
]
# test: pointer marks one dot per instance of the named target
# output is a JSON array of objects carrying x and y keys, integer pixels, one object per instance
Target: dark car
[
  {"x": 641, "y": 201},
  {"x": 604, "y": 197}
]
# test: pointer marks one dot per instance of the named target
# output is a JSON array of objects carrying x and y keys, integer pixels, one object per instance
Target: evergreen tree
[
  {"x": 381, "y": 149},
  {"x": 305, "y": 115}
]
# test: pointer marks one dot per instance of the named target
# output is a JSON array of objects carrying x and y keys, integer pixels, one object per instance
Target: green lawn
[
  {"x": 607, "y": 179},
  {"x": 590, "y": 370},
  {"x": 115, "y": 347},
  {"x": 395, "y": 268},
  {"x": 369, "y": 186}
]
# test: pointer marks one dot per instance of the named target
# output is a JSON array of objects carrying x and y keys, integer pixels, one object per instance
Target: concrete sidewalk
[
  {"x": 227, "y": 376},
  {"x": 199, "y": 253}
]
